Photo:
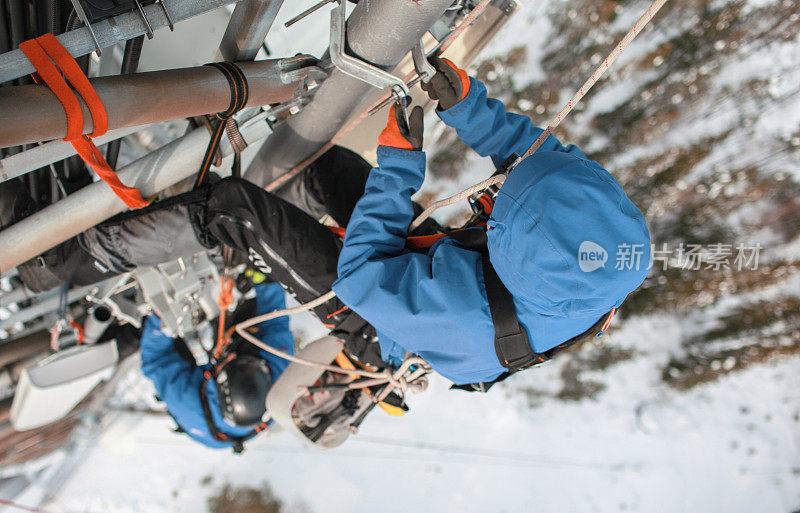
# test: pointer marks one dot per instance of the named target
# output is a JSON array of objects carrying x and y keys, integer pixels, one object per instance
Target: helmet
[{"x": 243, "y": 384}]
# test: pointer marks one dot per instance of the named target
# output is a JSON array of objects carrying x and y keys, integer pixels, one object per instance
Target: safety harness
[
  {"x": 236, "y": 443},
  {"x": 511, "y": 343}
]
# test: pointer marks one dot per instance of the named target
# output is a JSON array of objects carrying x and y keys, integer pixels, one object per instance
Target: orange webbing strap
[
  {"x": 51, "y": 60},
  {"x": 416, "y": 242}
]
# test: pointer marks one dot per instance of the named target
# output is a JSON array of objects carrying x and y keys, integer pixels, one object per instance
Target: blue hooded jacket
[
  {"x": 563, "y": 237},
  {"x": 178, "y": 382}
]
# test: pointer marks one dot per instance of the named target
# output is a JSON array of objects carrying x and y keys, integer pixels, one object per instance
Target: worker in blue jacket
[
  {"x": 557, "y": 223},
  {"x": 220, "y": 406}
]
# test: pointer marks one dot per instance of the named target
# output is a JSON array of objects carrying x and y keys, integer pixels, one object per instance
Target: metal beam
[
  {"x": 248, "y": 28},
  {"x": 109, "y": 32},
  {"x": 52, "y": 152},
  {"x": 96, "y": 202},
  {"x": 32, "y": 113},
  {"x": 380, "y": 32}
]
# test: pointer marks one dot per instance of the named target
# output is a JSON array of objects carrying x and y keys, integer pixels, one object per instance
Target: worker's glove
[
  {"x": 449, "y": 85},
  {"x": 398, "y": 135}
]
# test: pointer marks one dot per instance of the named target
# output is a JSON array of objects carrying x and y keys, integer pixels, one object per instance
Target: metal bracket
[
  {"x": 178, "y": 293},
  {"x": 357, "y": 68},
  {"x": 425, "y": 71}
]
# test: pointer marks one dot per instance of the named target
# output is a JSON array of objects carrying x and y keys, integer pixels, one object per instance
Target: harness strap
[
  {"x": 239, "y": 94},
  {"x": 511, "y": 342},
  {"x": 51, "y": 59},
  {"x": 414, "y": 242}
]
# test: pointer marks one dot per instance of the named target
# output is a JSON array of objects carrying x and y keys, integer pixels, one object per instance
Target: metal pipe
[
  {"x": 97, "y": 320},
  {"x": 380, "y": 32},
  {"x": 96, "y": 202},
  {"x": 32, "y": 113},
  {"x": 109, "y": 32},
  {"x": 52, "y": 152},
  {"x": 248, "y": 28},
  {"x": 24, "y": 347}
]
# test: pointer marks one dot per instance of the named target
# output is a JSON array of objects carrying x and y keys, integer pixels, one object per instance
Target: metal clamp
[
  {"x": 357, "y": 68},
  {"x": 425, "y": 71}
]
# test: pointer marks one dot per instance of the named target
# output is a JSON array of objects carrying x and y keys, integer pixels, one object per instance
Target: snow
[{"x": 730, "y": 446}]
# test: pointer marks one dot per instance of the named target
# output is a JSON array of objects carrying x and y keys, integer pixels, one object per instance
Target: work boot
[{"x": 16, "y": 204}]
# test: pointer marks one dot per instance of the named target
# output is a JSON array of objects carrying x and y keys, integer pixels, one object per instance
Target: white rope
[
  {"x": 395, "y": 379},
  {"x": 466, "y": 193},
  {"x": 636, "y": 30}
]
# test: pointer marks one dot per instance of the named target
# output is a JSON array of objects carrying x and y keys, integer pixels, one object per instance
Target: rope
[
  {"x": 466, "y": 22},
  {"x": 636, "y": 30},
  {"x": 51, "y": 60},
  {"x": 224, "y": 300},
  {"x": 609, "y": 60},
  {"x": 466, "y": 193},
  {"x": 395, "y": 379},
  {"x": 239, "y": 94}
]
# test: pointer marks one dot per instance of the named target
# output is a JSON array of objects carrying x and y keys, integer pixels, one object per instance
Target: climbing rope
[
  {"x": 466, "y": 193},
  {"x": 609, "y": 60},
  {"x": 636, "y": 30},
  {"x": 396, "y": 379}
]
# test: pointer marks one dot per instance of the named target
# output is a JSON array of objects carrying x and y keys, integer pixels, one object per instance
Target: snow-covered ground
[
  {"x": 729, "y": 446},
  {"x": 638, "y": 444}
]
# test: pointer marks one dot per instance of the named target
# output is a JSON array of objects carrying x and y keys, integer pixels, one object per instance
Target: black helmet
[{"x": 243, "y": 384}]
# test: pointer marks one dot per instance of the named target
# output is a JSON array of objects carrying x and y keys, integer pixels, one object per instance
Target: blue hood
[{"x": 564, "y": 238}]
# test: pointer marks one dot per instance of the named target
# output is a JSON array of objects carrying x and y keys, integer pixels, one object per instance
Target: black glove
[
  {"x": 398, "y": 135},
  {"x": 449, "y": 85}
]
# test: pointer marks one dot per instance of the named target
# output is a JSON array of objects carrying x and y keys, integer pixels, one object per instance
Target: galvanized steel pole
[
  {"x": 380, "y": 32},
  {"x": 32, "y": 113},
  {"x": 248, "y": 28},
  {"x": 109, "y": 32}
]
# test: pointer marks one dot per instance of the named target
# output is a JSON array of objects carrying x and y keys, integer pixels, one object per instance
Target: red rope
[{"x": 51, "y": 60}]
